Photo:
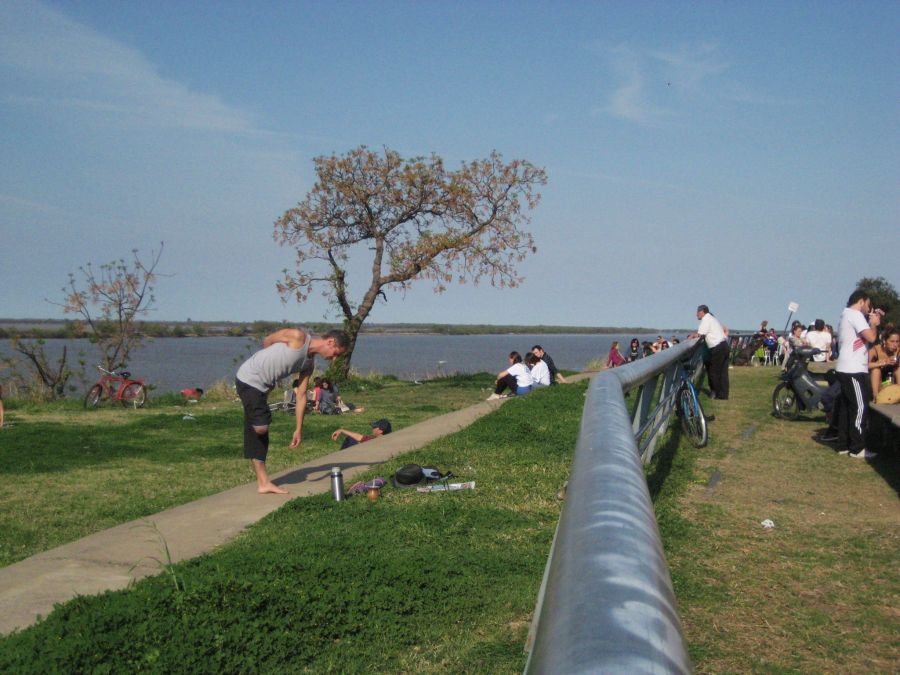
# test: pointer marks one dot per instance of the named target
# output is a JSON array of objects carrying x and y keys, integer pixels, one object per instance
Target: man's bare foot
[{"x": 271, "y": 488}]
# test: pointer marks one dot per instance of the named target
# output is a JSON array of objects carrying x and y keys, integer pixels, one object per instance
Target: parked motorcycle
[{"x": 799, "y": 391}]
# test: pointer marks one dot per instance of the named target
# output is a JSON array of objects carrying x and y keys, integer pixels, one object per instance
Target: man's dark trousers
[
  {"x": 856, "y": 392},
  {"x": 718, "y": 369}
]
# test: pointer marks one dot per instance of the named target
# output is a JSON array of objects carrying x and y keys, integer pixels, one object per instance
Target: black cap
[{"x": 383, "y": 424}]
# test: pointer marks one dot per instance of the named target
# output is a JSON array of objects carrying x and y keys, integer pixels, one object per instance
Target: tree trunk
[{"x": 339, "y": 370}]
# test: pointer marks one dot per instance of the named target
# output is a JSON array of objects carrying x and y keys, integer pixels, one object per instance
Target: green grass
[
  {"x": 447, "y": 582},
  {"x": 413, "y": 583},
  {"x": 66, "y": 472},
  {"x": 820, "y": 592}
]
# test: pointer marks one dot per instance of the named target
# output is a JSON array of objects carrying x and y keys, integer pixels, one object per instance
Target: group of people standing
[{"x": 866, "y": 357}]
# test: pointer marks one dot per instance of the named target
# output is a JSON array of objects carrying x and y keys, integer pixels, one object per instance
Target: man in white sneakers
[{"x": 858, "y": 327}]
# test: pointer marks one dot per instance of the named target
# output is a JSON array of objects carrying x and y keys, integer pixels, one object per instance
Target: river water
[{"x": 170, "y": 364}]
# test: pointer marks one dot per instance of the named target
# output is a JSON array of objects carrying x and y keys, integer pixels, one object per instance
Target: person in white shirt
[
  {"x": 516, "y": 378},
  {"x": 820, "y": 339},
  {"x": 855, "y": 333},
  {"x": 716, "y": 337},
  {"x": 540, "y": 373}
]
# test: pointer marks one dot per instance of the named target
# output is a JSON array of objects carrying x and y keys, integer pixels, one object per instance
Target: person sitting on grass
[
  {"x": 327, "y": 402},
  {"x": 330, "y": 401},
  {"x": 540, "y": 373},
  {"x": 556, "y": 377},
  {"x": 614, "y": 358},
  {"x": 379, "y": 428},
  {"x": 313, "y": 397},
  {"x": 516, "y": 378},
  {"x": 634, "y": 351}
]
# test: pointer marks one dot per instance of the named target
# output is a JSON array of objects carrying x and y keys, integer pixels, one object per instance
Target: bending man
[{"x": 287, "y": 351}]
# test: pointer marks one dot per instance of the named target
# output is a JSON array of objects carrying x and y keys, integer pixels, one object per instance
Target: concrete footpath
[{"x": 111, "y": 559}]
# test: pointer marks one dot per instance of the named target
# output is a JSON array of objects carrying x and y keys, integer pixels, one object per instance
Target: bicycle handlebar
[{"x": 113, "y": 374}]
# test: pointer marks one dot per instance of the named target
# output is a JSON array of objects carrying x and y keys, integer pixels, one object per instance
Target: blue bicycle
[{"x": 687, "y": 407}]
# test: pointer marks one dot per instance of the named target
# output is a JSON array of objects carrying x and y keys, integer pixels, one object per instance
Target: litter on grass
[
  {"x": 362, "y": 488},
  {"x": 768, "y": 524},
  {"x": 443, "y": 487},
  {"x": 189, "y": 418}
]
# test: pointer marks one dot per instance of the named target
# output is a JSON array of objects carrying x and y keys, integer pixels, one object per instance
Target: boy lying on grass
[{"x": 379, "y": 428}]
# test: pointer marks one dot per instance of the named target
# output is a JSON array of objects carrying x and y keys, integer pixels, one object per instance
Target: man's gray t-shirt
[{"x": 266, "y": 367}]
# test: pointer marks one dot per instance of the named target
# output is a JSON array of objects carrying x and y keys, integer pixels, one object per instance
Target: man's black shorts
[
  {"x": 256, "y": 404},
  {"x": 256, "y": 414}
]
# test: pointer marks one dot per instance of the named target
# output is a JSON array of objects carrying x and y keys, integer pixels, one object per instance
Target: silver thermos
[{"x": 337, "y": 484}]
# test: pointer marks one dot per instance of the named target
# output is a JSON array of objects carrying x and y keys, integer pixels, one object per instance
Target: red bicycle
[{"x": 116, "y": 387}]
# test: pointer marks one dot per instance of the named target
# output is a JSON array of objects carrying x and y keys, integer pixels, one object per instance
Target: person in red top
[{"x": 614, "y": 358}]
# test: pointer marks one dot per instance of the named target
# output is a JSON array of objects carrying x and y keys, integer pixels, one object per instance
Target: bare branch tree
[
  {"x": 47, "y": 379},
  {"x": 109, "y": 300}
]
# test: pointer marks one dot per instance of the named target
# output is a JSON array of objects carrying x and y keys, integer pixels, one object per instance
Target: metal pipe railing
[{"x": 606, "y": 604}]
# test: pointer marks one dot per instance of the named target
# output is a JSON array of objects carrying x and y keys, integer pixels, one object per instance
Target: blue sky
[{"x": 742, "y": 155}]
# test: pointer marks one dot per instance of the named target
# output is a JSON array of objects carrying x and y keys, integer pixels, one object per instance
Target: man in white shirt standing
[
  {"x": 855, "y": 333},
  {"x": 820, "y": 339},
  {"x": 716, "y": 337}
]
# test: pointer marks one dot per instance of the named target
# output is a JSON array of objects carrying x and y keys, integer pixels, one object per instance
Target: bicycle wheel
[
  {"x": 693, "y": 420},
  {"x": 134, "y": 396},
  {"x": 784, "y": 402},
  {"x": 95, "y": 393}
]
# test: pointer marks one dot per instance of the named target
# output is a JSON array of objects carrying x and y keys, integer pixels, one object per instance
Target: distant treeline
[
  {"x": 487, "y": 329},
  {"x": 56, "y": 329}
]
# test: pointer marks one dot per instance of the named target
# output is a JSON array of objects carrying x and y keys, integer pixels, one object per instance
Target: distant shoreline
[{"x": 57, "y": 328}]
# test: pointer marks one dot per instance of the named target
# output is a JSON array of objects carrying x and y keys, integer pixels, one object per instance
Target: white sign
[{"x": 793, "y": 307}]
